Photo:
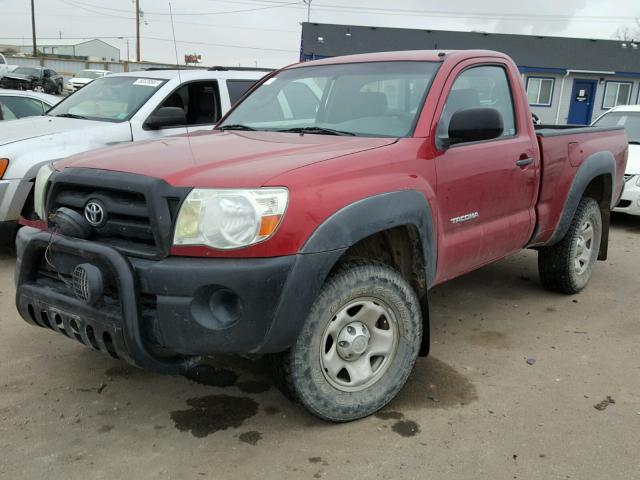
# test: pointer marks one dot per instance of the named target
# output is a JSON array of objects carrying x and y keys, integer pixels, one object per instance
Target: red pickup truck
[{"x": 312, "y": 222}]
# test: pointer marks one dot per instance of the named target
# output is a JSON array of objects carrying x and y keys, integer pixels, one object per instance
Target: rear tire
[
  {"x": 358, "y": 344},
  {"x": 566, "y": 267}
]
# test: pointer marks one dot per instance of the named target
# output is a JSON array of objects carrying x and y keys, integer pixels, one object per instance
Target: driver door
[{"x": 486, "y": 198}]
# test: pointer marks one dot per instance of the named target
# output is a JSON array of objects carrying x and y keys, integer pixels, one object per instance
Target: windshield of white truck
[
  {"x": 382, "y": 99},
  {"x": 109, "y": 99},
  {"x": 629, "y": 120}
]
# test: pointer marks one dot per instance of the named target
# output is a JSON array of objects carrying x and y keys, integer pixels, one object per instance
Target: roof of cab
[{"x": 405, "y": 55}]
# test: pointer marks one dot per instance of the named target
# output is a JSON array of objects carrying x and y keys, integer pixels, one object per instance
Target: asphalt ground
[{"x": 521, "y": 383}]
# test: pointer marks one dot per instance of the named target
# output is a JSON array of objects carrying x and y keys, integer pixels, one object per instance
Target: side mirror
[
  {"x": 474, "y": 125},
  {"x": 166, "y": 117}
]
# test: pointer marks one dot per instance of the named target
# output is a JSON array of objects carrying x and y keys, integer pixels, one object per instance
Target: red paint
[{"x": 326, "y": 173}]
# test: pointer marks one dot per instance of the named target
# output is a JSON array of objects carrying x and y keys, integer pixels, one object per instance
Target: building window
[
  {"x": 616, "y": 93},
  {"x": 540, "y": 91}
]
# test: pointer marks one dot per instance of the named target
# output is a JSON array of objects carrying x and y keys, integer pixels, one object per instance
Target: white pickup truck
[
  {"x": 115, "y": 109},
  {"x": 4, "y": 66}
]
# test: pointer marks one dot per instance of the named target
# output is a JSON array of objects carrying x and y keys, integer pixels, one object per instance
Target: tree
[
  {"x": 627, "y": 33},
  {"x": 9, "y": 50}
]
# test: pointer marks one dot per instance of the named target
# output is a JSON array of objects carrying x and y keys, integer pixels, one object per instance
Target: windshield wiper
[
  {"x": 236, "y": 126},
  {"x": 71, "y": 115},
  {"x": 317, "y": 130}
]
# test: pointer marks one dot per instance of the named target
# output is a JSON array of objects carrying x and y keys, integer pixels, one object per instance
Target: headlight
[
  {"x": 40, "y": 190},
  {"x": 230, "y": 218}
]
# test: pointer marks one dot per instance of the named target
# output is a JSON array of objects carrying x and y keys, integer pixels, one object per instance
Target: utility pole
[
  {"x": 33, "y": 29},
  {"x": 137, "y": 30},
  {"x": 308, "y": 2}
]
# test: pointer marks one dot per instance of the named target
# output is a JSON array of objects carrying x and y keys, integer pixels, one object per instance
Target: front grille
[
  {"x": 127, "y": 225},
  {"x": 623, "y": 204},
  {"x": 138, "y": 211}
]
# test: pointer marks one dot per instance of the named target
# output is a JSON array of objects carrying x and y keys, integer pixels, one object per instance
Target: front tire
[
  {"x": 358, "y": 345},
  {"x": 566, "y": 267}
]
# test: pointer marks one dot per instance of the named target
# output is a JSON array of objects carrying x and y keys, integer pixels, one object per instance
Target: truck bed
[{"x": 563, "y": 149}]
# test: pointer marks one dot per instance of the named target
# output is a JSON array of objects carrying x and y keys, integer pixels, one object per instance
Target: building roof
[
  {"x": 528, "y": 51},
  {"x": 69, "y": 42}
]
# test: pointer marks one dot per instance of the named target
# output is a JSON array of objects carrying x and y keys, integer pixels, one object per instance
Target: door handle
[{"x": 524, "y": 162}]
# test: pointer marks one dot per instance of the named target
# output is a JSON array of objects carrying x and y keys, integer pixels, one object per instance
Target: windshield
[
  {"x": 89, "y": 74},
  {"x": 629, "y": 120},
  {"x": 110, "y": 99},
  {"x": 366, "y": 99},
  {"x": 27, "y": 71}
]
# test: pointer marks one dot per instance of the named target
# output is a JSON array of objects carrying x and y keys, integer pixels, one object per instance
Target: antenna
[{"x": 175, "y": 47}]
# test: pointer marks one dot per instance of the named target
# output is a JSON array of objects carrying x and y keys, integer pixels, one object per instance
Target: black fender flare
[
  {"x": 371, "y": 215},
  {"x": 330, "y": 241},
  {"x": 595, "y": 165}
]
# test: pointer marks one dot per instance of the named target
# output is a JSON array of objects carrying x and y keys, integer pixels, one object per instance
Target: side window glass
[
  {"x": 237, "y": 88},
  {"x": 486, "y": 86},
  {"x": 18, "y": 107},
  {"x": 177, "y": 99},
  {"x": 204, "y": 103},
  {"x": 199, "y": 100},
  {"x": 5, "y": 113}
]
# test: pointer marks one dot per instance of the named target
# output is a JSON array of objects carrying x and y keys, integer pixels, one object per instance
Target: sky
[{"x": 266, "y": 33}]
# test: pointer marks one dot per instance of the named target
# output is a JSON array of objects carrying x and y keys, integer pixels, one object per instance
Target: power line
[{"x": 79, "y": 4}]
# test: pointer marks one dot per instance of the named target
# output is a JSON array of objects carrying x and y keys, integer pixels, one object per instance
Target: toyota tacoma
[{"x": 312, "y": 222}]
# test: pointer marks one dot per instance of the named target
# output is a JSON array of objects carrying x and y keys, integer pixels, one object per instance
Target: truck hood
[
  {"x": 633, "y": 163},
  {"x": 32, "y": 127},
  {"x": 223, "y": 159}
]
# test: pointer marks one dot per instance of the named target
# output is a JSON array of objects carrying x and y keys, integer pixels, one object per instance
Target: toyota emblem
[{"x": 94, "y": 213}]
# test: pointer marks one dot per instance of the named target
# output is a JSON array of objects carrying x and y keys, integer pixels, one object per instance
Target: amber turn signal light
[{"x": 4, "y": 164}]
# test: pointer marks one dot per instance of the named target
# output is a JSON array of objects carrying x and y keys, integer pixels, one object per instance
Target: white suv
[
  {"x": 627, "y": 116},
  {"x": 111, "y": 110}
]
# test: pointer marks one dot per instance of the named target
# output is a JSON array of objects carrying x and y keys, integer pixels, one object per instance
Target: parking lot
[{"x": 510, "y": 391}]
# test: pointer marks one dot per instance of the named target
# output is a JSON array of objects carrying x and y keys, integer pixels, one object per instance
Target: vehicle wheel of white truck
[
  {"x": 566, "y": 267},
  {"x": 357, "y": 346}
]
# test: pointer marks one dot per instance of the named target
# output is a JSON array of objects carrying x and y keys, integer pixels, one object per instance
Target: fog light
[{"x": 87, "y": 283}]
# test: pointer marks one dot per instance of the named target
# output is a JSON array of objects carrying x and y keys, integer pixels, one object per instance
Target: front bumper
[
  {"x": 630, "y": 199},
  {"x": 161, "y": 315}
]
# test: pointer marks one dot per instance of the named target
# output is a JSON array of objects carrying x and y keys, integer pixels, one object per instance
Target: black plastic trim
[
  {"x": 601, "y": 163},
  {"x": 32, "y": 243},
  {"x": 371, "y": 215},
  {"x": 156, "y": 193}
]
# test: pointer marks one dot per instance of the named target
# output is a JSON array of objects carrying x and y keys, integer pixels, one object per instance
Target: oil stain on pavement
[
  {"x": 403, "y": 427},
  {"x": 213, "y": 413},
  {"x": 252, "y": 437},
  {"x": 212, "y": 376}
]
